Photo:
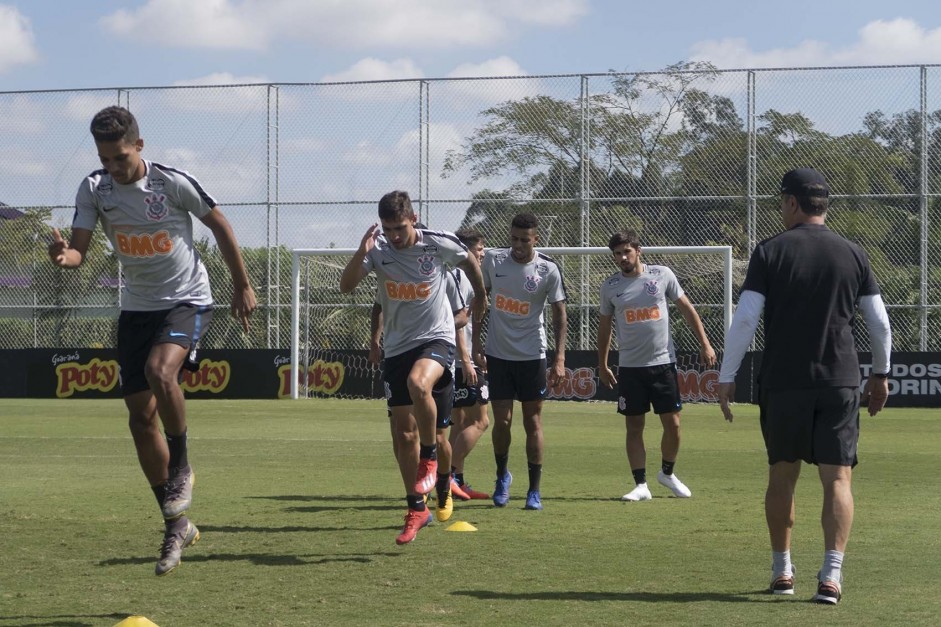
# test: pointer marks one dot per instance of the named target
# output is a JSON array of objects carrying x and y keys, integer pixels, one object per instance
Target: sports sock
[
  {"x": 443, "y": 484},
  {"x": 535, "y": 474},
  {"x": 416, "y": 502},
  {"x": 160, "y": 491},
  {"x": 459, "y": 478},
  {"x": 640, "y": 475},
  {"x": 501, "y": 463},
  {"x": 428, "y": 452},
  {"x": 177, "y": 446},
  {"x": 832, "y": 566},
  {"x": 668, "y": 467},
  {"x": 781, "y": 563}
]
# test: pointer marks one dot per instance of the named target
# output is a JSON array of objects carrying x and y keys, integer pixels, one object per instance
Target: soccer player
[
  {"x": 418, "y": 330},
  {"x": 145, "y": 210},
  {"x": 469, "y": 418},
  {"x": 520, "y": 282},
  {"x": 809, "y": 282},
  {"x": 442, "y": 392},
  {"x": 636, "y": 297}
]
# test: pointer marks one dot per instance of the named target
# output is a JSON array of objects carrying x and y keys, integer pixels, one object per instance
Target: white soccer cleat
[
  {"x": 640, "y": 493},
  {"x": 678, "y": 487}
]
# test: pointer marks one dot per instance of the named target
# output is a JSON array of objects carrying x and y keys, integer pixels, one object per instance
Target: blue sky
[{"x": 60, "y": 44}]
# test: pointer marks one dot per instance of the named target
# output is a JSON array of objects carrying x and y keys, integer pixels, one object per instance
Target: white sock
[
  {"x": 832, "y": 566},
  {"x": 781, "y": 563}
]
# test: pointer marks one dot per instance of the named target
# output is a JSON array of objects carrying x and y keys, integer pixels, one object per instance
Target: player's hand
[
  {"x": 480, "y": 358},
  {"x": 57, "y": 249},
  {"x": 707, "y": 356},
  {"x": 875, "y": 394},
  {"x": 470, "y": 375},
  {"x": 556, "y": 374},
  {"x": 607, "y": 377},
  {"x": 243, "y": 304},
  {"x": 726, "y": 394},
  {"x": 375, "y": 354},
  {"x": 369, "y": 239}
]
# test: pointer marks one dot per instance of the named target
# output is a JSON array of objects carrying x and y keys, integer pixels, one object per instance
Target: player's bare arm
[
  {"x": 375, "y": 334},
  {"x": 243, "y": 296},
  {"x": 706, "y": 353},
  {"x": 463, "y": 355},
  {"x": 71, "y": 253},
  {"x": 560, "y": 327},
  {"x": 604, "y": 346},
  {"x": 471, "y": 268},
  {"x": 354, "y": 272}
]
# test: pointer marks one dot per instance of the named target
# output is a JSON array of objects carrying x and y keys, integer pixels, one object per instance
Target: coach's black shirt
[{"x": 811, "y": 279}]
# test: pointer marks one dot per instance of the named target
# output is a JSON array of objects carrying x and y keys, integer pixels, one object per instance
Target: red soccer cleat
[
  {"x": 474, "y": 494},
  {"x": 414, "y": 520},
  {"x": 427, "y": 475},
  {"x": 458, "y": 492}
]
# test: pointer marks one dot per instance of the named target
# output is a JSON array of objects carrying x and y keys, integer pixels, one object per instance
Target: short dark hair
[
  {"x": 469, "y": 237},
  {"x": 624, "y": 236},
  {"x": 813, "y": 205},
  {"x": 113, "y": 124},
  {"x": 809, "y": 187},
  {"x": 524, "y": 220},
  {"x": 396, "y": 206}
]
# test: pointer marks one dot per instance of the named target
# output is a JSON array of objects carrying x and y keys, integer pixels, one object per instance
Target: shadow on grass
[
  {"x": 365, "y": 502},
  {"x": 339, "y": 498},
  {"x": 60, "y": 620},
  {"x": 287, "y": 529},
  {"x": 647, "y": 597},
  {"x": 258, "y": 559}
]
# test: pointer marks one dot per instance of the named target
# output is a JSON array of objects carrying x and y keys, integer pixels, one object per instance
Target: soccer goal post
[{"x": 324, "y": 320}]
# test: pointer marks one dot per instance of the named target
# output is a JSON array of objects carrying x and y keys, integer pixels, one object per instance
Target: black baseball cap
[{"x": 805, "y": 182}]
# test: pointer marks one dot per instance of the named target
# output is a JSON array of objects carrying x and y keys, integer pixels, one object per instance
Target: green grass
[{"x": 299, "y": 504}]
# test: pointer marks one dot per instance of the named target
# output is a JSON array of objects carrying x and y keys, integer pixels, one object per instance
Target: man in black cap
[{"x": 808, "y": 281}]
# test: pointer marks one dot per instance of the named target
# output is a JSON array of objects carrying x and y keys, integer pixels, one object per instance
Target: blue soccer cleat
[
  {"x": 533, "y": 501},
  {"x": 501, "y": 489}
]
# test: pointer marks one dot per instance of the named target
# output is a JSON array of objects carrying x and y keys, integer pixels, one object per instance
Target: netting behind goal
[{"x": 330, "y": 330}]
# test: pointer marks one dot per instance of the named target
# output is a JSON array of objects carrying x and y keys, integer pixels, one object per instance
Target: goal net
[{"x": 330, "y": 330}]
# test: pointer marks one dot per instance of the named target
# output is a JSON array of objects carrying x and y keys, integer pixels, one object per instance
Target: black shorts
[
  {"x": 468, "y": 396},
  {"x": 139, "y": 331},
  {"x": 639, "y": 388},
  {"x": 818, "y": 426},
  {"x": 396, "y": 370},
  {"x": 522, "y": 380}
]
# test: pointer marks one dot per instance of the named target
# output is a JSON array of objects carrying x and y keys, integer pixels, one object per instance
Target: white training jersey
[
  {"x": 518, "y": 295},
  {"x": 412, "y": 289},
  {"x": 149, "y": 223},
  {"x": 638, "y": 306}
]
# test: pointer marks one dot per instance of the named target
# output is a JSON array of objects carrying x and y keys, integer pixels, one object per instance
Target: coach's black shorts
[
  {"x": 522, "y": 380},
  {"x": 819, "y": 426},
  {"x": 468, "y": 396},
  {"x": 139, "y": 331},
  {"x": 397, "y": 368},
  {"x": 639, "y": 388}
]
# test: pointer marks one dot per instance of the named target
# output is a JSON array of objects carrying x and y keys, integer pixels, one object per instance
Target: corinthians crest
[
  {"x": 651, "y": 287},
  {"x": 531, "y": 284},
  {"x": 156, "y": 207},
  {"x": 426, "y": 265}
]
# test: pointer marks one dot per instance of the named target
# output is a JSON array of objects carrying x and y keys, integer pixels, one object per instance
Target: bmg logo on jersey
[
  {"x": 511, "y": 305},
  {"x": 156, "y": 207},
  {"x": 641, "y": 314},
  {"x": 531, "y": 284},
  {"x": 426, "y": 265},
  {"x": 144, "y": 244},
  {"x": 407, "y": 291}
]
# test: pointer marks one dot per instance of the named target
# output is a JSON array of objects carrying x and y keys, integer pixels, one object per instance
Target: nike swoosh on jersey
[
  {"x": 499, "y": 276},
  {"x": 385, "y": 263}
]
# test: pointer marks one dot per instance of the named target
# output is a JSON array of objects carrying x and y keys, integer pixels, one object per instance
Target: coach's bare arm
[{"x": 354, "y": 272}]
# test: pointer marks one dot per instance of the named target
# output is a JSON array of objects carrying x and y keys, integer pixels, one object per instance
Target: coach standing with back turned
[{"x": 809, "y": 281}]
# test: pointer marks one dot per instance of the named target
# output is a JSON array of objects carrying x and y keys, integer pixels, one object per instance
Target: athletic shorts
[
  {"x": 522, "y": 380},
  {"x": 818, "y": 426},
  {"x": 443, "y": 393},
  {"x": 139, "y": 331},
  {"x": 396, "y": 370},
  {"x": 468, "y": 396},
  {"x": 639, "y": 388}
]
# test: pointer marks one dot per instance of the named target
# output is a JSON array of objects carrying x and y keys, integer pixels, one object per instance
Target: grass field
[{"x": 299, "y": 504}]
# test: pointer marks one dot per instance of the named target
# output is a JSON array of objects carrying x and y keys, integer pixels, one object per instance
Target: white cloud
[
  {"x": 898, "y": 41},
  {"x": 501, "y": 66},
  {"x": 84, "y": 105},
  {"x": 371, "y": 69},
  {"x": 16, "y": 38},
  {"x": 411, "y": 24},
  {"x": 21, "y": 114},
  {"x": 251, "y": 96},
  {"x": 223, "y": 78}
]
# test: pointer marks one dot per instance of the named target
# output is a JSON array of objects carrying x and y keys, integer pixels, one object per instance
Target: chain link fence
[{"x": 688, "y": 156}]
